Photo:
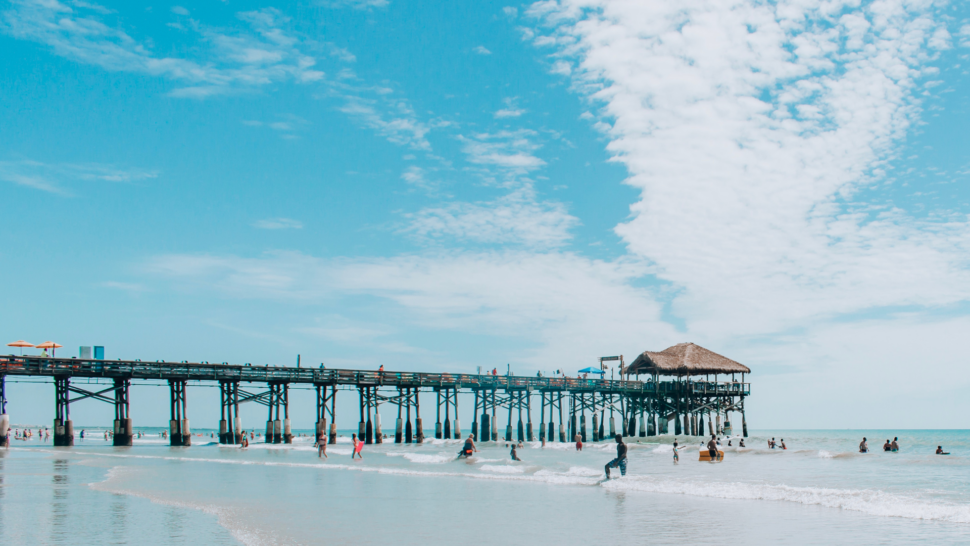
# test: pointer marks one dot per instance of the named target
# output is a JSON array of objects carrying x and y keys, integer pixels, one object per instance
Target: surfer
[
  {"x": 469, "y": 448},
  {"x": 863, "y": 446},
  {"x": 620, "y": 460}
]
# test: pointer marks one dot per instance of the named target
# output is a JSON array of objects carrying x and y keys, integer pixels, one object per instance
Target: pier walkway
[{"x": 654, "y": 403}]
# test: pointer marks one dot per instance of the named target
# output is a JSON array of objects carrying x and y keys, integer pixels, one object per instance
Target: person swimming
[
  {"x": 939, "y": 451},
  {"x": 783, "y": 446},
  {"x": 741, "y": 443},
  {"x": 469, "y": 447}
]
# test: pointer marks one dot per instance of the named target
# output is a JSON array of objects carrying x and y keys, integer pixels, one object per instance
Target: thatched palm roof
[{"x": 684, "y": 359}]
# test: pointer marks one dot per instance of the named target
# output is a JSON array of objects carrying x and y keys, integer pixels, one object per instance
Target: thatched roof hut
[{"x": 684, "y": 359}]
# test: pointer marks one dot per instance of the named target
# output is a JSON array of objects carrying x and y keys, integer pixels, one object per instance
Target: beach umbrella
[
  {"x": 20, "y": 343},
  {"x": 592, "y": 370},
  {"x": 49, "y": 345}
]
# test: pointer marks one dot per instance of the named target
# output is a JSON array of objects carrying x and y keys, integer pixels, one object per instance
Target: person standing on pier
[{"x": 620, "y": 460}]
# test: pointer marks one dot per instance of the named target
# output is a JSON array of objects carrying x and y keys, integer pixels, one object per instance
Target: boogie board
[{"x": 705, "y": 455}]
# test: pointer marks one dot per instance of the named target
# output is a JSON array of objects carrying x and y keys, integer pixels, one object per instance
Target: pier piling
[
  {"x": 4, "y": 418},
  {"x": 63, "y": 427}
]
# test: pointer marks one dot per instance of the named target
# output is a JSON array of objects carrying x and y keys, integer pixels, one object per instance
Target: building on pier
[{"x": 688, "y": 399}]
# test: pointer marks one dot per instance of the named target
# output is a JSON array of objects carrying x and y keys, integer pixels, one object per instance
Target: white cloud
[
  {"x": 59, "y": 178},
  {"x": 482, "y": 51},
  {"x": 748, "y": 128},
  {"x": 278, "y": 223},
  {"x": 378, "y": 108},
  {"x": 514, "y": 219},
  {"x": 508, "y": 150},
  {"x": 357, "y": 4},
  {"x": 567, "y": 304},
  {"x": 179, "y": 10},
  {"x": 510, "y": 110},
  {"x": 235, "y": 60}
]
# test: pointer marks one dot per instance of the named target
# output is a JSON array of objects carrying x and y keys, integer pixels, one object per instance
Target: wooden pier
[{"x": 563, "y": 403}]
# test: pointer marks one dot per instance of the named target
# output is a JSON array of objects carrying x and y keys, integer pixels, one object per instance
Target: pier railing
[{"x": 199, "y": 371}]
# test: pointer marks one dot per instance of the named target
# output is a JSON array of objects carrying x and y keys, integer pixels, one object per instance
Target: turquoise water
[{"x": 818, "y": 491}]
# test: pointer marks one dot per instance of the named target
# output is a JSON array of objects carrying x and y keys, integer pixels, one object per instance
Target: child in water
[
  {"x": 676, "y": 453},
  {"x": 515, "y": 456}
]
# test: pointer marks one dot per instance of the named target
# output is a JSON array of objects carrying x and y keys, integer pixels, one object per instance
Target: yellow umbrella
[
  {"x": 49, "y": 345},
  {"x": 20, "y": 343}
]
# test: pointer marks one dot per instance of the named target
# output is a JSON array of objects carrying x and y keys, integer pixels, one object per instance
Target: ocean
[{"x": 818, "y": 491}]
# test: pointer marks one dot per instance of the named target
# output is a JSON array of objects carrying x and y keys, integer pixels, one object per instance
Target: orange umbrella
[
  {"x": 20, "y": 343},
  {"x": 49, "y": 345}
]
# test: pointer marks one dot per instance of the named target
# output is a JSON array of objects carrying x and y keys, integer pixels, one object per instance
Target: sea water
[{"x": 820, "y": 490}]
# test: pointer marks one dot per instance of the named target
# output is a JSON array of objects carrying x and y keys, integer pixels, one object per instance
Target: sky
[{"x": 438, "y": 186}]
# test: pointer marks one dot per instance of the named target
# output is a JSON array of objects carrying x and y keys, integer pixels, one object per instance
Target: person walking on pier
[
  {"x": 620, "y": 460},
  {"x": 358, "y": 445}
]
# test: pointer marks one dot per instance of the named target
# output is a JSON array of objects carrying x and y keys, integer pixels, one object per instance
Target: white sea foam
[
  {"x": 503, "y": 469},
  {"x": 423, "y": 458},
  {"x": 873, "y": 502}
]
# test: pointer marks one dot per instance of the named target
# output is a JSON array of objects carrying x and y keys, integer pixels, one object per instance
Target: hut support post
[
  {"x": 4, "y": 418},
  {"x": 122, "y": 424},
  {"x": 63, "y": 427}
]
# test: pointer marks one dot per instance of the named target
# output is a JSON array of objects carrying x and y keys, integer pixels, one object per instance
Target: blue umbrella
[{"x": 592, "y": 370}]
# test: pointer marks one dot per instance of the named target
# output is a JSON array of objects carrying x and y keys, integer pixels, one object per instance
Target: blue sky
[{"x": 441, "y": 186}]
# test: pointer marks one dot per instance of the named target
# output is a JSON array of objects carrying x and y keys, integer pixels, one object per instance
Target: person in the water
[
  {"x": 887, "y": 446},
  {"x": 469, "y": 447},
  {"x": 515, "y": 456},
  {"x": 863, "y": 446},
  {"x": 620, "y": 460},
  {"x": 712, "y": 448},
  {"x": 895, "y": 445},
  {"x": 676, "y": 453}
]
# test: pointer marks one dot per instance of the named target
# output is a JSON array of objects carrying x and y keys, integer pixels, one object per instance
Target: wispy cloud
[
  {"x": 278, "y": 223},
  {"x": 510, "y": 110},
  {"x": 510, "y": 151},
  {"x": 60, "y": 178},
  {"x": 514, "y": 219},
  {"x": 378, "y": 108},
  {"x": 356, "y": 4},
  {"x": 287, "y": 126},
  {"x": 481, "y": 50},
  {"x": 567, "y": 304},
  {"x": 236, "y": 60}
]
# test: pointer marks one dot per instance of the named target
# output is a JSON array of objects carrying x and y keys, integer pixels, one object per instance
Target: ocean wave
[
  {"x": 423, "y": 458},
  {"x": 872, "y": 502},
  {"x": 503, "y": 469}
]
